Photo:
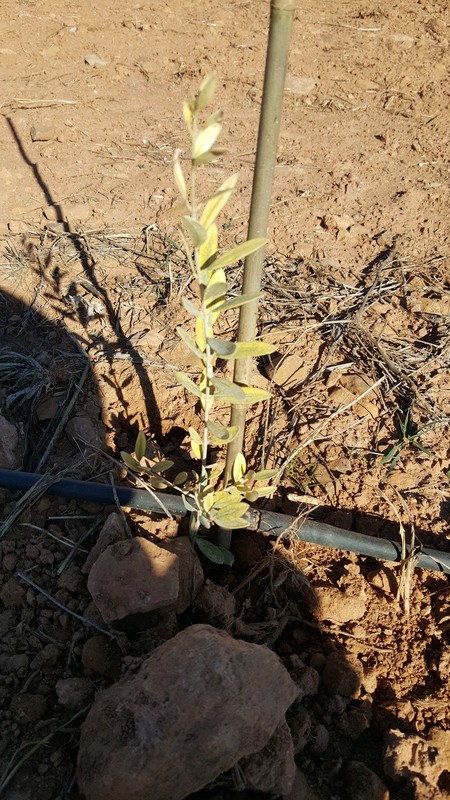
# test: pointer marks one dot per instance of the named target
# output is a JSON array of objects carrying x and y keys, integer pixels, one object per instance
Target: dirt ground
[{"x": 356, "y": 297}]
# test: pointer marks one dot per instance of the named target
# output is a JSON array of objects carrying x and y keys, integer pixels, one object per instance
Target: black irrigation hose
[{"x": 268, "y": 522}]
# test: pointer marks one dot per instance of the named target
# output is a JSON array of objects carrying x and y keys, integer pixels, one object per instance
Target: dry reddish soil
[{"x": 356, "y": 295}]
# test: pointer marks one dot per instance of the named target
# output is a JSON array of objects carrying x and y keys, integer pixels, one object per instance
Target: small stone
[
  {"x": 8, "y": 621},
  {"x": 216, "y": 603},
  {"x": 84, "y": 432},
  {"x": 72, "y": 580},
  {"x": 9, "y": 562},
  {"x": 76, "y": 212},
  {"x": 340, "y": 677},
  {"x": 113, "y": 531},
  {"x": 134, "y": 577},
  {"x": 94, "y": 60},
  {"x": 103, "y": 656},
  {"x": 301, "y": 789},
  {"x": 43, "y": 132},
  {"x": 10, "y": 452},
  {"x": 272, "y": 769},
  {"x": 300, "y": 725},
  {"x": 319, "y": 739},
  {"x": 299, "y": 85},
  {"x": 288, "y": 371},
  {"x": 47, "y": 408},
  {"x": 340, "y": 606},
  {"x": 14, "y": 664},
  {"x": 307, "y": 681},
  {"x": 12, "y": 594},
  {"x": 363, "y": 784},
  {"x": 28, "y": 708},
  {"x": 47, "y": 656},
  {"x": 74, "y": 693}
]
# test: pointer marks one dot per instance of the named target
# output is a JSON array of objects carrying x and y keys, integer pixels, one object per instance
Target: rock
[
  {"x": 47, "y": 656},
  {"x": 28, "y": 708},
  {"x": 74, "y": 693},
  {"x": 353, "y": 723},
  {"x": 216, "y": 603},
  {"x": 94, "y": 60},
  {"x": 17, "y": 664},
  {"x": 339, "y": 606},
  {"x": 287, "y": 371},
  {"x": 134, "y": 577},
  {"x": 340, "y": 677},
  {"x": 363, "y": 784},
  {"x": 307, "y": 680},
  {"x": 72, "y": 580},
  {"x": 300, "y": 789},
  {"x": 300, "y": 725},
  {"x": 299, "y": 85},
  {"x": 84, "y": 432},
  {"x": 113, "y": 531},
  {"x": 43, "y": 132},
  {"x": 8, "y": 621},
  {"x": 12, "y": 594},
  {"x": 10, "y": 455},
  {"x": 103, "y": 656},
  {"x": 190, "y": 574},
  {"x": 199, "y": 704},
  {"x": 272, "y": 769}
]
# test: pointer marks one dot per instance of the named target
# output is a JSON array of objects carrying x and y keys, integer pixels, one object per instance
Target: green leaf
[
  {"x": 205, "y": 92},
  {"x": 264, "y": 474},
  {"x": 205, "y": 139},
  {"x": 161, "y": 466},
  {"x": 140, "y": 445},
  {"x": 226, "y": 349},
  {"x": 235, "y": 302},
  {"x": 228, "y": 391},
  {"x": 214, "y": 552},
  {"x": 230, "y": 523},
  {"x": 190, "y": 308},
  {"x": 216, "y": 202},
  {"x": 196, "y": 231},
  {"x": 214, "y": 291},
  {"x": 237, "y": 253},
  {"x": 189, "y": 342},
  {"x": 179, "y": 479},
  {"x": 187, "y": 383},
  {"x": 222, "y": 347},
  {"x": 131, "y": 462},
  {"x": 222, "y": 434}
]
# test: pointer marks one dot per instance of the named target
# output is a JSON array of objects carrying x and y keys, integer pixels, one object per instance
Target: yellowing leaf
[
  {"x": 228, "y": 391},
  {"x": 252, "y": 349},
  {"x": 236, "y": 253},
  {"x": 222, "y": 434},
  {"x": 214, "y": 291},
  {"x": 187, "y": 114},
  {"x": 205, "y": 92},
  {"x": 196, "y": 231},
  {"x": 205, "y": 140},
  {"x": 215, "y": 203},
  {"x": 254, "y": 395},
  {"x": 210, "y": 155},
  {"x": 178, "y": 175},
  {"x": 200, "y": 338},
  {"x": 209, "y": 247},
  {"x": 239, "y": 467}
]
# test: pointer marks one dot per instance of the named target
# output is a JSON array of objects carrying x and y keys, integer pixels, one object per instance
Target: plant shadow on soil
[{"x": 275, "y": 600}]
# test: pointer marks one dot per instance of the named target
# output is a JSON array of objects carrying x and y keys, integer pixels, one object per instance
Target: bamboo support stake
[{"x": 281, "y": 19}]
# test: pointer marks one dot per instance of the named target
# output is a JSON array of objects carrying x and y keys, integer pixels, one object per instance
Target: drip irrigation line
[{"x": 269, "y": 522}]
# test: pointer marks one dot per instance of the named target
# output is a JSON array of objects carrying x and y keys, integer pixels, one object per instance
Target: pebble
[
  {"x": 340, "y": 677},
  {"x": 28, "y": 708},
  {"x": 74, "y": 693},
  {"x": 102, "y": 656},
  {"x": 10, "y": 456},
  {"x": 363, "y": 784},
  {"x": 12, "y": 594},
  {"x": 42, "y": 132}
]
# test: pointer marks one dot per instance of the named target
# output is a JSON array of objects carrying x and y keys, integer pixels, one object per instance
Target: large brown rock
[
  {"x": 199, "y": 703},
  {"x": 133, "y": 576}
]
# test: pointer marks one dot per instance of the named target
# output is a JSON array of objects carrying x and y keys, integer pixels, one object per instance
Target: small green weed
[{"x": 409, "y": 437}]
